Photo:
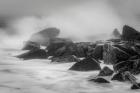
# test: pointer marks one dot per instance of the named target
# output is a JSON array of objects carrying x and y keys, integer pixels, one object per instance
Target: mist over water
[
  {"x": 82, "y": 22},
  {"x": 78, "y": 20}
]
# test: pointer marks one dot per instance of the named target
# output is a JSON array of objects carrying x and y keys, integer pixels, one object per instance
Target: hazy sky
[{"x": 80, "y": 20}]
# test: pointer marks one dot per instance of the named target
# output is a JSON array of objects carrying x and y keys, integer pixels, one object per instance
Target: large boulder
[
  {"x": 34, "y": 54},
  {"x": 98, "y": 52},
  {"x": 65, "y": 47},
  {"x": 132, "y": 66},
  {"x": 87, "y": 64},
  {"x": 83, "y": 49},
  {"x": 125, "y": 76},
  {"x": 130, "y": 34},
  {"x": 59, "y": 47},
  {"x": 44, "y": 36},
  {"x": 106, "y": 71},
  {"x": 99, "y": 80},
  {"x": 31, "y": 46},
  {"x": 127, "y": 49},
  {"x": 113, "y": 55},
  {"x": 69, "y": 58}
]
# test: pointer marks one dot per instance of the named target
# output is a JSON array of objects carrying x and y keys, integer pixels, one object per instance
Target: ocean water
[{"x": 41, "y": 76}]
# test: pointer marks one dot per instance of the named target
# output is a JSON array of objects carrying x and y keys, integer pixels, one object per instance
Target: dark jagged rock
[
  {"x": 87, "y": 64},
  {"x": 127, "y": 50},
  {"x": 135, "y": 86},
  {"x": 65, "y": 59},
  {"x": 130, "y": 34},
  {"x": 67, "y": 47},
  {"x": 34, "y": 54},
  {"x": 100, "y": 80},
  {"x": 125, "y": 76},
  {"x": 106, "y": 71},
  {"x": 113, "y": 55},
  {"x": 31, "y": 46},
  {"x": 109, "y": 56},
  {"x": 59, "y": 46},
  {"x": 118, "y": 77},
  {"x": 132, "y": 66},
  {"x": 83, "y": 49},
  {"x": 98, "y": 52}
]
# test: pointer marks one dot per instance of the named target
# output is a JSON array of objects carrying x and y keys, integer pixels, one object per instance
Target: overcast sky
[{"x": 77, "y": 19}]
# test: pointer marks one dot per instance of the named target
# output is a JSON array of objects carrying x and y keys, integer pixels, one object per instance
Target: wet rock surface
[
  {"x": 34, "y": 54},
  {"x": 88, "y": 64},
  {"x": 132, "y": 66},
  {"x": 98, "y": 52},
  {"x": 58, "y": 46},
  {"x": 113, "y": 55},
  {"x": 118, "y": 77},
  {"x": 106, "y": 71}
]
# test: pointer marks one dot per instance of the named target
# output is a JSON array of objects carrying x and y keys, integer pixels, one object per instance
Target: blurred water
[{"x": 41, "y": 76}]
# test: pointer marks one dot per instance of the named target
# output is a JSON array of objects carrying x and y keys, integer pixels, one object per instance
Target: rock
[
  {"x": 125, "y": 76},
  {"x": 132, "y": 66},
  {"x": 106, "y": 71},
  {"x": 34, "y": 54},
  {"x": 116, "y": 34},
  {"x": 61, "y": 59},
  {"x": 100, "y": 80},
  {"x": 31, "y": 46},
  {"x": 137, "y": 48},
  {"x": 59, "y": 47},
  {"x": 130, "y": 34},
  {"x": 98, "y": 52},
  {"x": 67, "y": 47},
  {"x": 118, "y": 77},
  {"x": 121, "y": 66},
  {"x": 113, "y": 55},
  {"x": 83, "y": 49},
  {"x": 44, "y": 36},
  {"x": 129, "y": 77},
  {"x": 127, "y": 49},
  {"x": 87, "y": 64},
  {"x": 135, "y": 86}
]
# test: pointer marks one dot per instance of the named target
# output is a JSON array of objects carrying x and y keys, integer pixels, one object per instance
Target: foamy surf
[{"x": 41, "y": 76}]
